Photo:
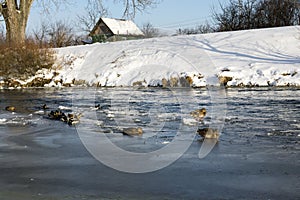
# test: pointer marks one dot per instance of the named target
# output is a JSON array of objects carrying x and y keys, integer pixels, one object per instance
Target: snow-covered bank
[
  {"x": 247, "y": 58},
  {"x": 264, "y": 57}
]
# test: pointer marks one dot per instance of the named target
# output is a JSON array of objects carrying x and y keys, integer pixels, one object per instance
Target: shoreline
[{"x": 158, "y": 87}]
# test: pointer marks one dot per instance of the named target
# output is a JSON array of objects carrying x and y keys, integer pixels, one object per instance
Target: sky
[{"x": 169, "y": 15}]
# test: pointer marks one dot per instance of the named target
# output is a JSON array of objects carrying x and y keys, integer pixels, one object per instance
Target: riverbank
[{"x": 251, "y": 58}]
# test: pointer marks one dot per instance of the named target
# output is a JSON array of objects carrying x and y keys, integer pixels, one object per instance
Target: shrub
[
  {"x": 23, "y": 61},
  {"x": 99, "y": 38}
]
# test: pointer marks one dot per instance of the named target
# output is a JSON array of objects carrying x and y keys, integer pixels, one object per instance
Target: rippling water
[
  {"x": 268, "y": 114},
  {"x": 267, "y": 117},
  {"x": 249, "y": 112}
]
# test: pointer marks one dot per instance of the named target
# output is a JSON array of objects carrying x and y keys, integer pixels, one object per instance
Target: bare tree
[
  {"x": 41, "y": 35},
  {"x": 249, "y": 14},
  {"x": 275, "y": 13},
  {"x": 60, "y": 34},
  {"x": 201, "y": 29},
  {"x": 94, "y": 11},
  {"x": 16, "y": 13},
  {"x": 150, "y": 31},
  {"x": 237, "y": 15}
]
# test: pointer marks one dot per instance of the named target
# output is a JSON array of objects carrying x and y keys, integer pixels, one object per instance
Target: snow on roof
[{"x": 122, "y": 27}]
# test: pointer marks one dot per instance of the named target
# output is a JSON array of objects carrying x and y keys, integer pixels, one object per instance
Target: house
[{"x": 116, "y": 29}]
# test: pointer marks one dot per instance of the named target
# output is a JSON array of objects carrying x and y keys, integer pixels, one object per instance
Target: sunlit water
[
  {"x": 267, "y": 118},
  {"x": 270, "y": 113}
]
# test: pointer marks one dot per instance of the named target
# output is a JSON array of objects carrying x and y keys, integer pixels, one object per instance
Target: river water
[{"x": 256, "y": 157}]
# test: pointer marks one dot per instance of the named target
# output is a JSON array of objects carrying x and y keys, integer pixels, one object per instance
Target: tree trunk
[{"x": 15, "y": 15}]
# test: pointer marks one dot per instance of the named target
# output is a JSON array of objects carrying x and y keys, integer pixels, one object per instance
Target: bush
[
  {"x": 99, "y": 38},
  {"x": 23, "y": 61}
]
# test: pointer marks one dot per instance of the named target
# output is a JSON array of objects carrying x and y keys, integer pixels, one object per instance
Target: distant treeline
[{"x": 251, "y": 14}]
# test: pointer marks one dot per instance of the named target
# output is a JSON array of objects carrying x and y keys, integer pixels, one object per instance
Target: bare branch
[
  {"x": 60, "y": 34},
  {"x": 132, "y": 6},
  {"x": 150, "y": 31},
  {"x": 94, "y": 10},
  {"x": 250, "y": 14},
  {"x": 40, "y": 35},
  {"x": 47, "y": 5}
]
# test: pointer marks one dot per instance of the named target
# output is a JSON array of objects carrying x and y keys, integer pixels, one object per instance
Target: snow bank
[{"x": 264, "y": 57}]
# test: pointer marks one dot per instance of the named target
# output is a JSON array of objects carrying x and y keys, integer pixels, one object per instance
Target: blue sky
[{"x": 168, "y": 15}]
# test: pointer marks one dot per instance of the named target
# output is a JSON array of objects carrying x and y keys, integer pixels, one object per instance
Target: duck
[
  {"x": 97, "y": 106},
  {"x": 58, "y": 115},
  {"x": 70, "y": 118},
  {"x": 63, "y": 117},
  {"x": 45, "y": 107},
  {"x": 132, "y": 131},
  {"x": 198, "y": 114},
  {"x": 10, "y": 108},
  {"x": 209, "y": 133},
  {"x": 73, "y": 119}
]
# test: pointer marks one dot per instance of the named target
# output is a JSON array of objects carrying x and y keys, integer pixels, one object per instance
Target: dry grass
[{"x": 23, "y": 61}]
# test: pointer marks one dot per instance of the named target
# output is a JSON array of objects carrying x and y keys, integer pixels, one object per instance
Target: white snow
[{"x": 252, "y": 58}]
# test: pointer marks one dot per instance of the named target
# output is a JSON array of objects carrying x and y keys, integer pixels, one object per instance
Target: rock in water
[{"x": 133, "y": 131}]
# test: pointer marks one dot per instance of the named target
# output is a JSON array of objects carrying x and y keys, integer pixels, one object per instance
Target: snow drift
[{"x": 262, "y": 57}]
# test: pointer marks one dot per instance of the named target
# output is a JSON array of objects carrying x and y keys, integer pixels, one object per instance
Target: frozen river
[{"x": 257, "y": 156}]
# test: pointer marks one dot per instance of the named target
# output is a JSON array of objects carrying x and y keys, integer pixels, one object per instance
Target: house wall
[
  {"x": 115, "y": 38},
  {"x": 102, "y": 29}
]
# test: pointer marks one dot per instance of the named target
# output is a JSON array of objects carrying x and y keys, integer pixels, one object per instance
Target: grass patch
[{"x": 23, "y": 61}]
